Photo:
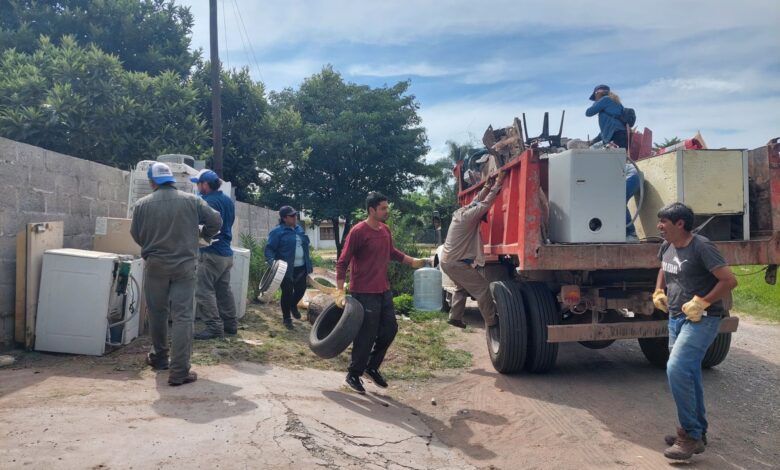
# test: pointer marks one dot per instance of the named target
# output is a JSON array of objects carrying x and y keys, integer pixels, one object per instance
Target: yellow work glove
[
  {"x": 694, "y": 308},
  {"x": 341, "y": 298},
  {"x": 418, "y": 263},
  {"x": 660, "y": 300}
]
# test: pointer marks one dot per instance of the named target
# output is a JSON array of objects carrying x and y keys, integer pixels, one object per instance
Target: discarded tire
[
  {"x": 506, "y": 341},
  {"x": 542, "y": 310},
  {"x": 446, "y": 301},
  {"x": 272, "y": 279},
  {"x": 316, "y": 306},
  {"x": 717, "y": 351},
  {"x": 336, "y": 328}
]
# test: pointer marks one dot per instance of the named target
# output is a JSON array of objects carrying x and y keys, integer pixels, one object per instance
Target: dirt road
[
  {"x": 244, "y": 416},
  {"x": 607, "y": 408}
]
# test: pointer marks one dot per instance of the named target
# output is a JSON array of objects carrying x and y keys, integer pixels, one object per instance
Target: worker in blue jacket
[
  {"x": 609, "y": 109},
  {"x": 288, "y": 242}
]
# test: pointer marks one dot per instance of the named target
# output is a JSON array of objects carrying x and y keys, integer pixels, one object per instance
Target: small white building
[{"x": 322, "y": 236}]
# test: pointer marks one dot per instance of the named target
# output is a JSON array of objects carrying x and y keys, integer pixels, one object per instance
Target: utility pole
[{"x": 216, "y": 98}]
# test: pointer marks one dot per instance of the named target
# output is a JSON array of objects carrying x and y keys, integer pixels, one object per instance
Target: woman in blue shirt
[
  {"x": 609, "y": 108},
  {"x": 289, "y": 242}
]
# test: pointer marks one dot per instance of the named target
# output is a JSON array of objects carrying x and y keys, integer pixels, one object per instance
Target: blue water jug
[{"x": 427, "y": 289}]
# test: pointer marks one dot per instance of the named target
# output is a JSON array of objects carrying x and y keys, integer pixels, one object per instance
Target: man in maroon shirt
[{"x": 367, "y": 252}]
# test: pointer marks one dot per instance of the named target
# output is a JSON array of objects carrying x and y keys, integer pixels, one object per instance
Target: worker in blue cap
[
  {"x": 215, "y": 303},
  {"x": 165, "y": 226}
]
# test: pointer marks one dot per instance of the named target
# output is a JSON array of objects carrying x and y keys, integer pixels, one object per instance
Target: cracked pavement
[{"x": 235, "y": 416}]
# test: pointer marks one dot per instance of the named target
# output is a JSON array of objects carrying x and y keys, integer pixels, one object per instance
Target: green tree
[
  {"x": 146, "y": 35},
  {"x": 80, "y": 101},
  {"x": 356, "y": 139},
  {"x": 666, "y": 143},
  {"x": 246, "y": 129}
]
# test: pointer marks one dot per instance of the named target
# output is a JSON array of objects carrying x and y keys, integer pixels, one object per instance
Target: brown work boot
[
  {"x": 670, "y": 438},
  {"x": 684, "y": 447},
  {"x": 187, "y": 379}
]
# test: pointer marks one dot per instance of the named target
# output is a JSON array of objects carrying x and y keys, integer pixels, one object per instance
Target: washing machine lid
[{"x": 81, "y": 253}]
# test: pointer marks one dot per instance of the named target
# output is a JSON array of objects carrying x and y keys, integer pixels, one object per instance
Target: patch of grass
[
  {"x": 754, "y": 296},
  {"x": 420, "y": 347}
]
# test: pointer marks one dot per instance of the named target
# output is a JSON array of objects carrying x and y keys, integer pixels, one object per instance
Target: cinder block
[
  {"x": 42, "y": 179},
  {"x": 57, "y": 203},
  {"x": 81, "y": 242},
  {"x": 31, "y": 200},
  {"x": 66, "y": 184},
  {"x": 88, "y": 187},
  {"x": 30, "y": 156},
  {"x": 8, "y": 150},
  {"x": 8, "y": 197},
  {"x": 7, "y": 271},
  {"x": 59, "y": 163},
  {"x": 81, "y": 206},
  {"x": 14, "y": 172},
  {"x": 100, "y": 209},
  {"x": 8, "y": 249},
  {"x": 117, "y": 209}
]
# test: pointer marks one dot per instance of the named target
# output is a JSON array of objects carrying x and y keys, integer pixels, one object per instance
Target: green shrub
[
  {"x": 404, "y": 304},
  {"x": 257, "y": 264},
  {"x": 319, "y": 262}
]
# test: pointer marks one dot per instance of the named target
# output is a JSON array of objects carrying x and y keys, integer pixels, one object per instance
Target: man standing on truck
[
  {"x": 462, "y": 253},
  {"x": 692, "y": 283},
  {"x": 367, "y": 251}
]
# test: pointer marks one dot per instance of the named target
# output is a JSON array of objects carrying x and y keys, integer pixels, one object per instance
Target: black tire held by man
[{"x": 335, "y": 329}]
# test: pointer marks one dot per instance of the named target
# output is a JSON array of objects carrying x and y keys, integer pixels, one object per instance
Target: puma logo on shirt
[{"x": 673, "y": 268}]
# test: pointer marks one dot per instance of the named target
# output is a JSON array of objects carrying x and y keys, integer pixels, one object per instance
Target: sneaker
[
  {"x": 288, "y": 324},
  {"x": 684, "y": 447},
  {"x": 188, "y": 379},
  {"x": 157, "y": 363},
  {"x": 670, "y": 438},
  {"x": 355, "y": 384},
  {"x": 295, "y": 313},
  {"x": 231, "y": 331},
  {"x": 456, "y": 323},
  {"x": 377, "y": 378},
  {"x": 205, "y": 335}
]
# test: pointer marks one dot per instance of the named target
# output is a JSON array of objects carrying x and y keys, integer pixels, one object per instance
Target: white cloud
[{"x": 422, "y": 69}]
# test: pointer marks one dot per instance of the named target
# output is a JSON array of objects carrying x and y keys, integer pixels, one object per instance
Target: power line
[
  {"x": 248, "y": 41},
  {"x": 224, "y": 34}
]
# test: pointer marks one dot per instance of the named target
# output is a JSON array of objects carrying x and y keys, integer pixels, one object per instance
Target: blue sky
[{"x": 683, "y": 65}]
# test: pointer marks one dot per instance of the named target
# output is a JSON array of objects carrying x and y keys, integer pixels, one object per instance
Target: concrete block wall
[{"x": 37, "y": 185}]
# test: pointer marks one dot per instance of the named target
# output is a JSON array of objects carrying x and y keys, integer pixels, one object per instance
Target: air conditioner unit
[{"x": 177, "y": 158}]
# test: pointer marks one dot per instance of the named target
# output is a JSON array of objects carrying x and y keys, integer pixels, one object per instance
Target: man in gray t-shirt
[{"x": 692, "y": 282}]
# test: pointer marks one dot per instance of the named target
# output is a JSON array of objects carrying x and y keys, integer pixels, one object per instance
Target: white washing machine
[
  {"x": 239, "y": 278},
  {"x": 89, "y": 301}
]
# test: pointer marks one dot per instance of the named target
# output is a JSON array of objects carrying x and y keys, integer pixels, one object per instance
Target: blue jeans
[
  {"x": 632, "y": 186},
  {"x": 688, "y": 343}
]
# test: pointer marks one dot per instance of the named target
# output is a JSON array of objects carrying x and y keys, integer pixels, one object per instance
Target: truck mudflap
[{"x": 621, "y": 330}]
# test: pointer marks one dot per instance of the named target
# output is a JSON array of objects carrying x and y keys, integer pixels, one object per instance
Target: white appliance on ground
[
  {"x": 588, "y": 196},
  {"x": 89, "y": 301},
  {"x": 239, "y": 278}
]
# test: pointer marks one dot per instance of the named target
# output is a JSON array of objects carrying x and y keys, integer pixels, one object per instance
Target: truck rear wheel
[
  {"x": 605, "y": 343},
  {"x": 656, "y": 350},
  {"x": 506, "y": 341},
  {"x": 717, "y": 351},
  {"x": 542, "y": 310}
]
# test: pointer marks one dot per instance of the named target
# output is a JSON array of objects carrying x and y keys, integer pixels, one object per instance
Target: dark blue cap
[
  {"x": 205, "y": 176},
  {"x": 598, "y": 88}
]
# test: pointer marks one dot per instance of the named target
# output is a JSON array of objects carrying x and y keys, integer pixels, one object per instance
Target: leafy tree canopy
[
  {"x": 147, "y": 35},
  {"x": 357, "y": 139},
  {"x": 80, "y": 101}
]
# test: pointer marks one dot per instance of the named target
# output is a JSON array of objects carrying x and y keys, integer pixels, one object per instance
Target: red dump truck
[{"x": 549, "y": 292}]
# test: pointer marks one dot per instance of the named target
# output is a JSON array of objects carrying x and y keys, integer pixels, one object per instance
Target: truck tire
[
  {"x": 336, "y": 328},
  {"x": 506, "y": 341},
  {"x": 542, "y": 310},
  {"x": 717, "y": 351},
  {"x": 656, "y": 350},
  {"x": 605, "y": 343}
]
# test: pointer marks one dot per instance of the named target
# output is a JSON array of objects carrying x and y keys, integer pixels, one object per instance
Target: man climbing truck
[{"x": 560, "y": 267}]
